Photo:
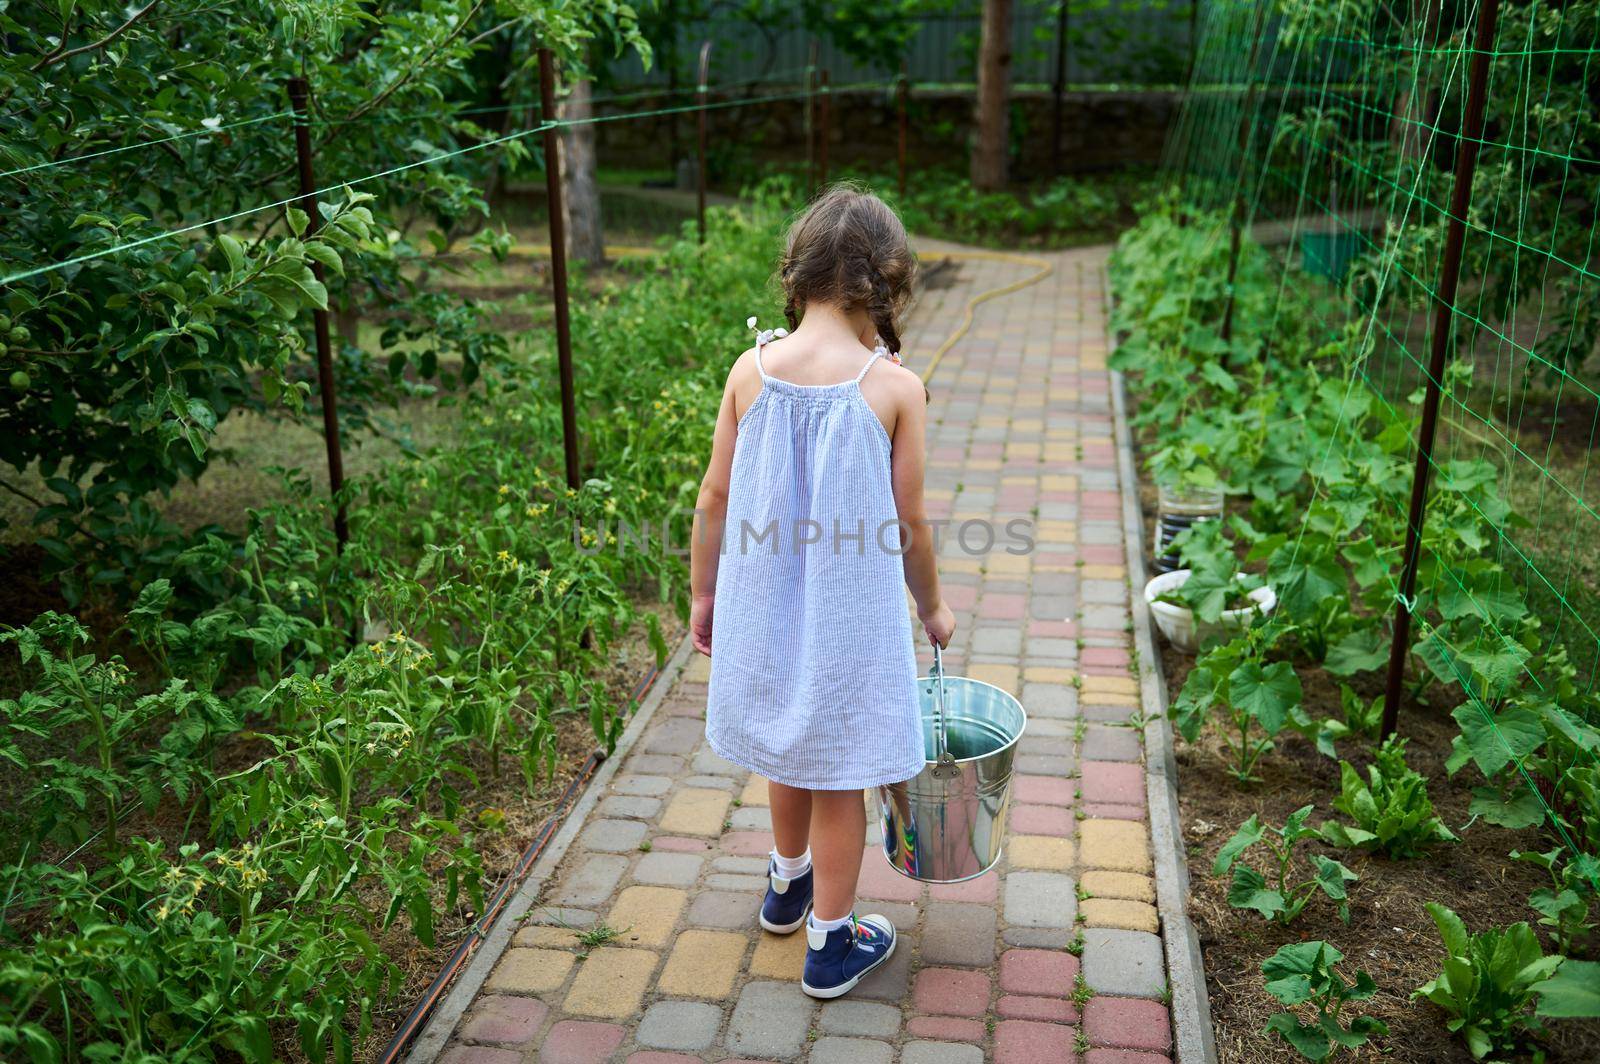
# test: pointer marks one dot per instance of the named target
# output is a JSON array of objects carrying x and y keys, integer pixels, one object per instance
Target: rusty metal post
[
  {"x": 558, "y": 263},
  {"x": 1443, "y": 307},
  {"x": 299, "y": 99},
  {"x": 903, "y": 117},
  {"x": 1059, "y": 89},
  {"x": 700, "y": 133},
  {"x": 825, "y": 121}
]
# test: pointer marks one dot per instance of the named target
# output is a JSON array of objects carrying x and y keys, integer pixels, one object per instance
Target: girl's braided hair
[{"x": 849, "y": 249}]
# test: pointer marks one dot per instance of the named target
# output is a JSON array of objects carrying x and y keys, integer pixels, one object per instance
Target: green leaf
[
  {"x": 1495, "y": 742},
  {"x": 1451, "y": 929},
  {"x": 1268, "y": 695},
  {"x": 1248, "y": 835},
  {"x": 233, "y": 250},
  {"x": 1572, "y": 993},
  {"x": 1360, "y": 651},
  {"x": 1250, "y": 891},
  {"x": 1310, "y": 1042}
]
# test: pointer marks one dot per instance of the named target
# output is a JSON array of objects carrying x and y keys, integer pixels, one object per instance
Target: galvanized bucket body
[{"x": 946, "y": 823}]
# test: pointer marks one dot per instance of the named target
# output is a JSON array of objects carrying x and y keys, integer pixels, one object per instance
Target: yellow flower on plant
[
  {"x": 503, "y": 556},
  {"x": 504, "y": 489}
]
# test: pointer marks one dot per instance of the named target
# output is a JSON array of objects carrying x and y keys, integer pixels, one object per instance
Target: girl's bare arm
[
  {"x": 710, "y": 513},
  {"x": 909, "y": 460}
]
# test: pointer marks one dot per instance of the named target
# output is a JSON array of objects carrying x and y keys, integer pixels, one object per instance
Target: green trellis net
[{"x": 1323, "y": 137}]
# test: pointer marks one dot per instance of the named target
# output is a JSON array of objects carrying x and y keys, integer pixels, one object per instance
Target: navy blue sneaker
[
  {"x": 837, "y": 960},
  {"x": 787, "y": 901}
]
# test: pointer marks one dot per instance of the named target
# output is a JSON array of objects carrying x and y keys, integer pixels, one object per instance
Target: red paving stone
[
  {"x": 945, "y": 1029},
  {"x": 1112, "y": 782},
  {"x": 746, "y": 843},
  {"x": 1042, "y": 820},
  {"x": 1038, "y": 971},
  {"x": 677, "y": 844},
  {"x": 983, "y": 889},
  {"x": 1124, "y": 1056},
  {"x": 1128, "y": 1023},
  {"x": 880, "y": 881},
  {"x": 1021, "y": 1007},
  {"x": 1032, "y": 1042},
  {"x": 1002, "y": 607},
  {"x": 504, "y": 1020},
  {"x": 653, "y": 1056},
  {"x": 1042, "y": 790},
  {"x": 1116, "y": 656},
  {"x": 951, "y": 992},
  {"x": 580, "y": 1042},
  {"x": 1112, "y": 811}
]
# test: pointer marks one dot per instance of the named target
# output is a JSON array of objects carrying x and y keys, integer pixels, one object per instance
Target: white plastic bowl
[{"x": 1178, "y": 624}]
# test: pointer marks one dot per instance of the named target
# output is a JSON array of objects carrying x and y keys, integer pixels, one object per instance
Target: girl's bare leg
[
  {"x": 838, "y": 836},
  {"x": 791, "y": 818}
]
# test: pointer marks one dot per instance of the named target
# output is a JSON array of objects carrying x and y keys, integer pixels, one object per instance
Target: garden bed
[{"x": 1390, "y": 935}]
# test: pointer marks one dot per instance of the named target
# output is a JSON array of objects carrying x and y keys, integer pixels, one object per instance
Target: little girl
[{"x": 809, "y": 527}]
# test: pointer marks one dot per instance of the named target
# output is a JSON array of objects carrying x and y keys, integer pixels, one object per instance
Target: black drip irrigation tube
[{"x": 412, "y": 1025}]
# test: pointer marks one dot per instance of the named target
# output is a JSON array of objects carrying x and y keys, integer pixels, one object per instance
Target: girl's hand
[
  {"x": 700, "y": 623},
  {"x": 939, "y": 623}
]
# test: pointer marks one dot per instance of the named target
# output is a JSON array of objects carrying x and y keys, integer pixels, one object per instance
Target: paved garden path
[{"x": 1055, "y": 957}]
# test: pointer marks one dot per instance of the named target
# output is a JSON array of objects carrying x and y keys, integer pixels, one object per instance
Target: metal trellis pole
[
  {"x": 1059, "y": 89},
  {"x": 299, "y": 98},
  {"x": 810, "y": 123},
  {"x": 1444, "y": 300},
  {"x": 700, "y": 133},
  {"x": 558, "y": 263}
]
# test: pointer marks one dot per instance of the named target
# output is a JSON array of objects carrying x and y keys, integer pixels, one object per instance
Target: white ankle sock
[
  {"x": 789, "y": 867},
  {"x": 828, "y": 925}
]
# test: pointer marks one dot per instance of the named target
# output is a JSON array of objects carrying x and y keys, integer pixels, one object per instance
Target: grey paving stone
[
  {"x": 1100, "y": 533},
  {"x": 1105, "y": 592},
  {"x": 1052, "y": 607},
  {"x": 657, "y": 764},
  {"x": 1110, "y": 618},
  {"x": 629, "y": 805},
  {"x": 722, "y": 909},
  {"x": 690, "y": 1025},
  {"x": 649, "y": 786},
  {"x": 861, "y": 1018},
  {"x": 721, "y": 783},
  {"x": 996, "y": 640},
  {"x": 593, "y": 882},
  {"x": 732, "y": 881},
  {"x": 1053, "y": 584},
  {"x": 1050, "y": 700},
  {"x": 1038, "y": 937},
  {"x": 612, "y": 836},
  {"x": 563, "y": 916},
  {"x": 1051, "y": 745},
  {"x": 940, "y": 1053},
  {"x": 958, "y": 933},
  {"x": 851, "y": 1051},
  {"x": 891, "y": 980},
  {"x": 1050, "y": 649},
  {"x": 1116, "y": 714},
  {"x": 751, "y": 818},
  {"x": 1101, "y": 743},
  {"x": 1050, "y": 728},
  {"x": 1040, "y": 899},
  {"x": 710, "y": 763},
  {"x": 674, "y": 735},
  {"x": 770, "y": 1020},
  {"x": 1041, "y": 765},
  {"x": 748, "y": 866},
  {"x": 1128, "y": 963},
  {"x": 668, "y": 869}
]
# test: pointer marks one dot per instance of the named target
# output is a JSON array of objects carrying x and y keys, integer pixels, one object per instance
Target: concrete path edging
[
  {"x": 435, "y": 1036},
  {"x": 1193, "y": 1039}
]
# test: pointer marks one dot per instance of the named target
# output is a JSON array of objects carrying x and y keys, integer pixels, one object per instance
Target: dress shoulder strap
[
  {"x": 879, "y": 353},
  {"x": 763, "y": 338}
]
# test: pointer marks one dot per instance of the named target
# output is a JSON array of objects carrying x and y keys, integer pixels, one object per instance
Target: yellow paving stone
[
  {"x": 1102, "y": 884},
  {"x": 611, "y": 983},
  {"x": 999, "y": 561},
  {"x": 530, "y": 971},
  {"x": 1039, "y": 851},
  {"x": 646, "y": 915},
  {"x": 1122, "y": 685},
  {"x": 960, "y": 565},
  {"x": 703, "y": 964},
  {"x": 698, "y": 670},
  {"x": 1060, "y": 482},
  {"x": 1018, "y": 481},
  {"x": 1048, "y": 674},
  {"x": 1002, "y": 676},
  {"x": 1103, "y": 572},
  {"x": 696, "y": 811},
  {"x": 1026, "y": 424},
  {"x": 542, "y": 935},
  {"x": 1117, "y": 845},
  {"x": 779, "y": 956},
  {"x": 1119, "y": 912},
  {"x": 755, "y": 791},
  {"x": 1110, "y": 698},
  {"x": 984, "y": 464}
]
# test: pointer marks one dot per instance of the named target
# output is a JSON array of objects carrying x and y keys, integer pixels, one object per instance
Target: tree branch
[{"x": 59, "y": 56}]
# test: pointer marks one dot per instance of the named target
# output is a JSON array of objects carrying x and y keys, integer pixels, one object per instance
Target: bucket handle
[{"x": 944, "y": 765}]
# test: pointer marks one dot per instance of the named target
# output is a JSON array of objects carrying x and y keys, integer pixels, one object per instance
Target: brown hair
[{"x": 849, "y": 249}]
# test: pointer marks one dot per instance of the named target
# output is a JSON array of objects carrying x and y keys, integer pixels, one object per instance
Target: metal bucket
[{"x": 945, "y": 824}]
